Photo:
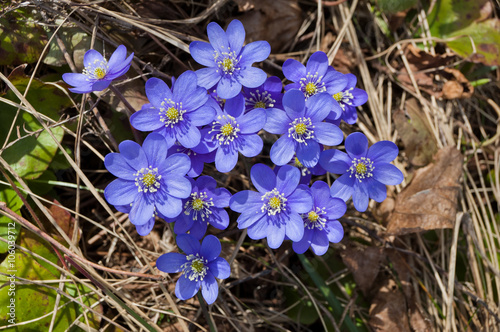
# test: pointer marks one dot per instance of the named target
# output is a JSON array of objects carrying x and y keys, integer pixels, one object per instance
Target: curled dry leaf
[
  {"x": 430, "y": 201},
  {"x": 364, "y": 265},
  {"x": 276, "y": 21}
]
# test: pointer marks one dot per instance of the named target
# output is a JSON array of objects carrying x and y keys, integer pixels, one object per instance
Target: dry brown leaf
[
  {"x": 364, "y": 265},
  {"x": 416, "y": 133},
  {"x": 430, "y": 201},
  {"x": 276, "y": 21},
  {"x": 457, "y": 85},
  {"x": 388, "y": 310}
]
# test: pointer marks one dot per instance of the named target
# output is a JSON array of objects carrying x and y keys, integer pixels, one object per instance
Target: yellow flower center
[
  {"x": 148, "y": 179},
  {"x": 312, "y": 216},
  {"x": 260, "y": 104},
  {"x": 172, "y": 113},
  {"x": 197, "y": 265},
  {"x": 338, "y": 96},
  {"x": 99, "y": 73},
  {"x": 300, "y": 128},
  {"x": 227, "y": 129},
  {"x": 361, "y": 168},
  {"x": 274, "y": 202},
  {"x": 297, "y": 163},
  {"x": 227, "y": 64},
  {"x": 311, "y": 88},
  {"x": 197, "y": 204}
]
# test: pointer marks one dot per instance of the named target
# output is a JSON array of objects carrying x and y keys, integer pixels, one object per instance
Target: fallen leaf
[
  {"x": 364, "y": 264},
  {"x": 416, "y": 133},
  {"x": 388, "y": 310},
  {"x": 430, "y": 201},
  {"x": 457, "y": 85}
]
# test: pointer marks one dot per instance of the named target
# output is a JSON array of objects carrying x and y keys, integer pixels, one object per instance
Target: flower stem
[{"x": 208, "y": 317}]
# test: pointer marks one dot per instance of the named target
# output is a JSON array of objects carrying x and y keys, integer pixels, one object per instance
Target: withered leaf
[
  {"x": 364, "y": 265},
  {"x": 416, "y": 133},
  {"x": 430, "y": 201},
  {"x": 388, "y": 310}
]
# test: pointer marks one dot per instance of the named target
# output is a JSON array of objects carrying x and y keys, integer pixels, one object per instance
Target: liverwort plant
[
  {"x": 149, "y": 180},
  {"x": 320, "y": 224},
  {"x": 204, "y": 206},
  {"x": 228, "y": 62},
  {"x": 349, "y": 98},
  {"x": 175, "y": 113},
  {"x": 274, "y": 211},
  {"x": 200, "y": 265},
  {"x": 99, "y": 72},
  {"x": 302, "y": 128},
  {"x": 364, "y": 171}
]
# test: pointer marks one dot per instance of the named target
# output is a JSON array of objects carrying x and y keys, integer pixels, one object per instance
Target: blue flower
[
  {"x": 305, "y": 173},
  {"x": 364, "y": 171},
  {"x": 232, "y": 131},
  {"x": 303, "y": 129},
  {"x": 175, "y": 113},
  {"x": 320, "y": 223},
  {"x": 205, "y": 206},
  {"x": 149, "y": 180},
  {"x": 274, "y": 211},
  {"x": 316, "y": 77},
  {"x": 199, "y": 155},
  {"x": 350, "y": 98},
  {"x": 98, "y": 72},
  {"x": 266, "y": 96},
  {"x": 143, "y": 229},
  {"x": 200, "y": 265},
  {"x": 228, "y": 62}
]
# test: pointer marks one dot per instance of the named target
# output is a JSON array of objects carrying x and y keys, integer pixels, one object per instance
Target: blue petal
[
  {"x": 142, "y": 211},
  {"x": 76, "y": 79},
  {"x": 235, "y": 106},
  {"x": 189, "y": 136},
  {"x": 226, "y": 159},
  {"x": 155, "y": 147},
  {"x": 318, "y": 106},
  {"x": 169, "y": 206},
  {"x": 100, "y": 85},
  {"x": 320, "y": 243},
  {"x": 328, "y": 134},
  {"x": 82, "y": 88},
  {"x": 145, "y": 229},
  {"x": 302, "y": 245},
  {"x": 228, "y": 87},
  {"x": 219, "y": 268},
  {"x": 116, "y": 165},
  {"x": 209, "y": 288},
  {"x": 263, "y": 178},
  {"x": 245, "y": 200},
  {"x": 349, "y": 115},
  {"x": 335, "y": 81},
  {"x": 308, "y": 154},
  {"x": 251, "y": 218},
  {"x": 294, "y": 103},
  {"x": 300, "y": 201},
  {"x": 208, "y": 77},
  {"x": 117, "y": 58},
  {"x": 185, "y": 85},
  {"x": 178, "y": 163},
  {"x": 317, "y": 63},
  {"x": 203, "y": 53},
  {"x": 376, "y": 190},
  {"x": 387, "y": 174},
  {"x": 217, "y": 37},
  {"x": 235, "y": 33},
  {"x": 359, "y": 97},
  {"x": 251, "y": 77},
  {"x": 92, "y": 56},
  {"x": 183, "y": 223},
  {"x": 254, "y": 52},
  {"x": 146, "y": 119},
  {"x": 343, "y": 187},
  {"x": 188, "y": 244},
  {"x": 335, "y": 161},
  {"x": 258, "y": 230},
  {"x": 287, "y": 179},
  {"x": 294, "y": 70},
  {"x": 335, "y": 231},
  {"x": 294, "y": 227},
  {"x": 121, "y": 192},
  {"x": 171, "y": 262},
  {"x": 277, "y": 121},
  {"x": 383, "y": 152},
  {"x": 275, "y": 236},
  {"x": 252, "y": 121},
  {"x": 198, "y": 230},
  {"x": 157, "y": 91},
  {"x": 210, "y": 248},
  {"x": 185, "y": 288},
  {"x": 221, "y": 197},
  {"x": 219, "y": 218},
  {"x": 205, "y": 182},
  {"x": 360, "y": 196},
  {"x": 356, "y": 145},
  {"x": 202, "y": 116},
  {"x": 251, "y": 145},
  {"x": 335, "y": 208},
  {"x": 177, "y": 186},
  {"x": 282, "y": 150}
]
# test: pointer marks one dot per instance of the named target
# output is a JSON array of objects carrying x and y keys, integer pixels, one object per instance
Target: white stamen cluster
[
  {"x": 200, "y": 205},
  {"x": 147, "y": 180},
  {"x": 96, "y": 70},
  {"x": 226, "y": 129},
  {"x": 171, "y": 112},
  {"x": 260, "y": 100},
  {"x": 344, "y": 98},
  {"x": 195, "y": 268},
  {"x": 314, "y": 219},
  {"x": 274, "y": 202},
  {"x": 303, "y": 170},
  {"x": 301, "y": 129},
  {"x": 227, "y": 62},
  {"x": 311, "y": 84},
  {"x": 361, "y": 168}
]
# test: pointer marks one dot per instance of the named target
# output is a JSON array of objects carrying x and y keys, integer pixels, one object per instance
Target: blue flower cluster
[{"x": 215, "y": 114}]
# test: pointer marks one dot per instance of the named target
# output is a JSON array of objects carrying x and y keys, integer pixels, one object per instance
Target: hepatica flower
[
  {"x": 175, "y": 113},
  {"x": 232, "y": 131},
  {"x": 274, "y": 211},
  {"x": 149, "y": 180},
  {"x": 350, "y": 98},
  {"x": 314, "y": 78},
  {"x": 199, "y": 155},
  {"x": 320, "y": 224},
  {"x": 200, "y": 265},
  {"x": 364, "y": 171},
  {"x": 266, "y": 96},
  {"x": 204, "y": 206},
  {"x": 305, "y": 173},
  {"x": 99, "y": 72},
  {"x": 228, "y": 62},
  {"x": 303, "y": 129}
]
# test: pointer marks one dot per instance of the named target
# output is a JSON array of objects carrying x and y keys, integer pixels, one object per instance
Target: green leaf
[
  {"x": 32, "y": 301},
  {"x": 75, "y": 41},
  {"x": 9, "y": 229},
  {"x": 31, "y": 155},
  {"x": 394, "y": 6}
]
